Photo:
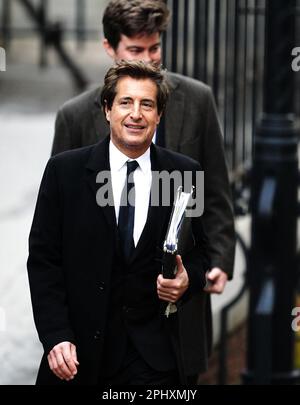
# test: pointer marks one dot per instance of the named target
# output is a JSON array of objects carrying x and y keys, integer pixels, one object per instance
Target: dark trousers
[{"x": 135, "y": 371}]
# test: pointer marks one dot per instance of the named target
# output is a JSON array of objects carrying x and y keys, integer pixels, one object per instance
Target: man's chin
[{"x": 137, "y": 145}]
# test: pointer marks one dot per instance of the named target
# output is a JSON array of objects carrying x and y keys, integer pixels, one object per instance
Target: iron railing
[{"x": 222, "y": 44}]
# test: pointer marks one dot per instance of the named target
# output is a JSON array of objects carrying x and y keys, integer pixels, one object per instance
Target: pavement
[{"x": 24, "y": 149}]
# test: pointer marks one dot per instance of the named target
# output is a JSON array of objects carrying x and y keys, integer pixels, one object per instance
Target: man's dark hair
[
  {"x": 137, "y": 70},
  {"x": 134, "y": 17}
]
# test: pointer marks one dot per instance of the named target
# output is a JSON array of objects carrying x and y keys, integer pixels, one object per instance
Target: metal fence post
[
  {"x": 272, "y": 276},
  {"x": 6, "y": 24}
]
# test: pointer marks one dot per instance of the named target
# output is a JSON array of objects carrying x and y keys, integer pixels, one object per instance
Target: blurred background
[{"x": 53, "y": 52}]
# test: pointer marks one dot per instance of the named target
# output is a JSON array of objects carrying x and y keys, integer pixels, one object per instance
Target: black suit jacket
[
  {"x": 191, "y": 128},
  {"x": 71, "y": 253}
]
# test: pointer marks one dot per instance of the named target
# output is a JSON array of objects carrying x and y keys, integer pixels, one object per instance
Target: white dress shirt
[{"x": 142, "y": 179}]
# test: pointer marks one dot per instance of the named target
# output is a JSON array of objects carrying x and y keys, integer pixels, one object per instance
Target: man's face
[
  {"x": 146, "y": 48},
  {"x": 133, "y": 116}
]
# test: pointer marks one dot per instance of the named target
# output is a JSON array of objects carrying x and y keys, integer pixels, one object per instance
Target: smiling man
[
  {"x": 133, "y": 115},
  {"x": 97, "y": 293}
]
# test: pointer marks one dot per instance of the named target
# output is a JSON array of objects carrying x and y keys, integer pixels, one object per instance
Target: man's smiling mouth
[{"x": 135, "y": 127}]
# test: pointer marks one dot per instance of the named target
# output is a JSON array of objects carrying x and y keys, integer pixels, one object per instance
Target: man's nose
[
  {"x": 146, "y": 57},
  {"x": 136, "y": 111}
]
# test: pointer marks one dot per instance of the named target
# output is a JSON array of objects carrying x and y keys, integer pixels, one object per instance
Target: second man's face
[
  {"x": 146, "y": 48},
  {"x": 133, "y": 116}
]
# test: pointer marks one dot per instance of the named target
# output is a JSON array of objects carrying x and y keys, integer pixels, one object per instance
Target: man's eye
[
  {"x": 124, "y": 102},
  {"x": 153, "y": 50},
  {"x": 147, "y": 105}
]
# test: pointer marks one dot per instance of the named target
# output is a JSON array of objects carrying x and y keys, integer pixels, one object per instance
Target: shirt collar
[{"x": 117, "y": 159}]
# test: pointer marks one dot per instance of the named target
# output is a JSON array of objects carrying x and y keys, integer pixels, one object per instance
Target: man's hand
[
  {"x": 171, "y": 290},
  {"x": 62, "y": 360},
  {"x": 217, "y": 280}
]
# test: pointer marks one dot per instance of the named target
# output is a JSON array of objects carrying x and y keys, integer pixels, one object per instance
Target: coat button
[
  {"x": 97, "y": 335},
  {"x": 101, "y": 286}
]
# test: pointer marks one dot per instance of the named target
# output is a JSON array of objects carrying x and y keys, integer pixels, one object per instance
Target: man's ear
[
  {"x": 109, "y": 49},
  {"x": 158, "y": 119}
]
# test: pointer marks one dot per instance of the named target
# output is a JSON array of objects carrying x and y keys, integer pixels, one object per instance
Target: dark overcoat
[{"x": 71, "y": 256}]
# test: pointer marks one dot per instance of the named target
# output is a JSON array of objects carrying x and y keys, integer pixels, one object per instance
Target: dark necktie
[{"x": 126, "y": 213}]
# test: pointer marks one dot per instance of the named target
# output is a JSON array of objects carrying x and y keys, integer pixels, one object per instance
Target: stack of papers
[{"x": 177, "y": 216}]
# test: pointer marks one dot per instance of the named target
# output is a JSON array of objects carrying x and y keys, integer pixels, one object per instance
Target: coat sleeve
[
  {"x": 79, "y": 122},
  {"x": 45, "y": 272},
  {"x": 194, "y": 244},
  {"x": 63, "y": 134},
  {"x": 218, "y": 219},
  {"x": 196, "y": 261}
]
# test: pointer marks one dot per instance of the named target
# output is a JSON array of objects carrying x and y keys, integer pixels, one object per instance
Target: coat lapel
[
  {"x": 98, "y": 175},
  {"x": 174, "y": 114}
]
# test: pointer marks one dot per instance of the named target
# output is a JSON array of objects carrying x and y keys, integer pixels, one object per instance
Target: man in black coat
[
  {"x": 99, "y": 301},
  {"x": 132, "y": 30}
]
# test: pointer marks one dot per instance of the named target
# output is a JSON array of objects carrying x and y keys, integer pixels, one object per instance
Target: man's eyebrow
[
  {"x": 134, "y": 47},
  {"x": 142, "y": 47},
  {"x": 154, "y": 45},
  {"x": 148, "y": 100}
]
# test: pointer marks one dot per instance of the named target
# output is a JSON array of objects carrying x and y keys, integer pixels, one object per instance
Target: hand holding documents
[
  {"x": 172, "y": 237},
  {"x": 173, "y": 233}
]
